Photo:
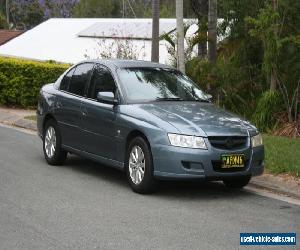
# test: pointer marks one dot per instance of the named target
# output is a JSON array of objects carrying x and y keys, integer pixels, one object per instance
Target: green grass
[
  {"x": 282, "y": 155},
  {"x": 30, "y": 117}
]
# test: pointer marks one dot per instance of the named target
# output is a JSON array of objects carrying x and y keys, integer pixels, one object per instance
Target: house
[
  {"x": 71, "y": 40},
  {"x": 7, "y": 35}
]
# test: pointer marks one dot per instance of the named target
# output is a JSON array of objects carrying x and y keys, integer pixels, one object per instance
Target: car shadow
[
  {"x": 95, "y": 169},
  {"x": 199, "y": 189},
  {"x": 192, "y": 189}
]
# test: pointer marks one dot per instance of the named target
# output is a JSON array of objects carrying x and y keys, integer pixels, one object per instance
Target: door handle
[
  {"x": 58, "y": 104},
  {"x": 84, "y": 112}
]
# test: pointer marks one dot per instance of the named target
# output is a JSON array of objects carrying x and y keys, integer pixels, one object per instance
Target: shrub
[
  {"x": 21, "y": 80},
  {"x": 116, "y": 49},
  {"x": 268, "y": 104},
  {"x": 230, "y": 84}
]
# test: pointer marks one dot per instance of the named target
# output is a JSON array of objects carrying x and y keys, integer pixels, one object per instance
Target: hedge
[{"x": 21, "y": 80}]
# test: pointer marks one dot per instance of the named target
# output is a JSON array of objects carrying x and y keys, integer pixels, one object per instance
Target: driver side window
[{"x": 101, "y": 81}]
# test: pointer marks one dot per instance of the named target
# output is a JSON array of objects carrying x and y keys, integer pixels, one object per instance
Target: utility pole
[
  {"x": 180, "y": 36},
  {"x": 155, "y": 31}
]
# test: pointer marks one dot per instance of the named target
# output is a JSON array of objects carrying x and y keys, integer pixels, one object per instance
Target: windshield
[{"x": 159, "y": 84}]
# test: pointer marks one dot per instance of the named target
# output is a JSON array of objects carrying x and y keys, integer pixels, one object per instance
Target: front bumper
[{"x": 185, "y": 163}]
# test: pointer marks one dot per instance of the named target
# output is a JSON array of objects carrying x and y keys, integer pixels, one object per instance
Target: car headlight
[
  {"x": 187, "y": 141},
  {"x": 256, "y": 140}
]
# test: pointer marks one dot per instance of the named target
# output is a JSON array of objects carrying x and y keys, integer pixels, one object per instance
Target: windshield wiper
[
  {"x": 180, "y": 99},
  {"x": 169, "y": 99},
  {"x": 201, "y": 100}
]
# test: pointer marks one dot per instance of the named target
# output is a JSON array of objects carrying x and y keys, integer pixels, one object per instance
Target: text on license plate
[{"x": 233, "y": 161}]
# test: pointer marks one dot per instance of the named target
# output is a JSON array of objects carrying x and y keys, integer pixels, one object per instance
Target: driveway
[{"x": 84, "y": 205}]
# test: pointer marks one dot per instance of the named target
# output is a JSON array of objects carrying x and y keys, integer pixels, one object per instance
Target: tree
[
  {"x": 155, "y": 31},
  {"x": 265, "y": 27},
  {"x": 3, "y": 24},
  {"x": 7, "y": 11},
  {"x": 26, "y": 14},
  {"x": 97, "y": 8},
  {"x": 212, "y": 30},
  {"x": 116, "y": 49},
  {"x": 2, "y": 6},
  {"x": 273, "y": 82},
  {"x": 200, "y": 9},
  {"x": 180, "y": 36},
  {"x": 58, "y": 8},
  {"x": 189, "y": 43}
]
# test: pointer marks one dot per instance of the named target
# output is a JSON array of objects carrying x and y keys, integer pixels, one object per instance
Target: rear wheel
[
  {"x": 238, "y": 182},
  {"x": 139, "y": 166},
  {"x": 53, "y": 152}
]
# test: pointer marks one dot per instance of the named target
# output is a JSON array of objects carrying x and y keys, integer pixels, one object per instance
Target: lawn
[{"x": 282, "y": 155}]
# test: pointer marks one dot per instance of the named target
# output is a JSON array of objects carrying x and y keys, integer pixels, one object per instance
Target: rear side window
[
  {"x": 101, "y": 81},
  {"x": 80, "y": 78},
  {"x": 65, "y": 82}
]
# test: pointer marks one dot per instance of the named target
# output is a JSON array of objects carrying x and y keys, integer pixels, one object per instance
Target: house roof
[
  {"x": 131, "y": 29},
  {"x": 7, "y": 35},
  {"x": 71, "y": 39}
]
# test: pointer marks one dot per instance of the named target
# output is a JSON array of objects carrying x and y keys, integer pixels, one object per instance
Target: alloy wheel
[
  {"x": 50, "y": 142},
  {"x": 136, "y": 165}
]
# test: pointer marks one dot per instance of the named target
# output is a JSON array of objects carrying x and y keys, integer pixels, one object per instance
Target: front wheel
[
  {"x": 139, "y": 166},
  {"x": 53, "y": 152},
  {"x": 238, "y": 182}
]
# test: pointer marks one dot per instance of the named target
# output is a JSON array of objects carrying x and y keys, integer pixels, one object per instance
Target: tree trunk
[
  {"x": 212, "y": 31},
  {"x": 273, "y": 78},
  {"x": 202, "y": 50},
  {"x": 155, "y": 31},
  {"x": 202, "y": 46},
  {"x": 200, "y": 9},
  {"x": 180, "y": 36},
  {"x": 7, "y": 12}
]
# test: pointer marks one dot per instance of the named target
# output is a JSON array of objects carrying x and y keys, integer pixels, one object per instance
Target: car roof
[{"x": 128, "y": 63}]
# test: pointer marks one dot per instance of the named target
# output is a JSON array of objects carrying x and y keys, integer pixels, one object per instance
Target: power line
[{"x": 124, "y": 7}]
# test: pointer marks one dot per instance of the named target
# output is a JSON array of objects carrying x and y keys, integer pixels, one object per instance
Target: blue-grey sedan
[{"x": 149, "y": 120}]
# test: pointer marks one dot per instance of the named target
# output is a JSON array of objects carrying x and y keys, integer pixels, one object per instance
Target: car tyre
[
  {"x": 239, "y": 182},
  {"x": 53, "y": 152},
  {"x": 139, "y": 167}
]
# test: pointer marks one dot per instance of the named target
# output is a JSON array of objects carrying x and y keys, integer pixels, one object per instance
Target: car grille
[
  {"x": 217, "y": 166},
  {"x": 228, "y": 142}
]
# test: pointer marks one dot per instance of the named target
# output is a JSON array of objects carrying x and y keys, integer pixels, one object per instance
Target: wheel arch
[
  {"x": 133, "y": 134},
  {"x": 47, "y": 118}
]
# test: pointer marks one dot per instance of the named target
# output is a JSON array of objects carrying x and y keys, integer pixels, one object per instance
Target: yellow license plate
[{"x": 233, "y": 161}]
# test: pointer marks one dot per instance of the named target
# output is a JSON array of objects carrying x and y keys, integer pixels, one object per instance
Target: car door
[
  {"x": 68, "y": 103},
  {"x": 99, "y": 118}
]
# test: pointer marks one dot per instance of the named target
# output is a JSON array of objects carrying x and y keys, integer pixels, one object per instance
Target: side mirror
[
  {"x": 209, "y": 97},
  {"x": 107, "y": 97}
]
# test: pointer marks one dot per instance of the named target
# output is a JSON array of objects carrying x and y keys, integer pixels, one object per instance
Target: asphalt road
[{"x": 84, "y": 205}]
